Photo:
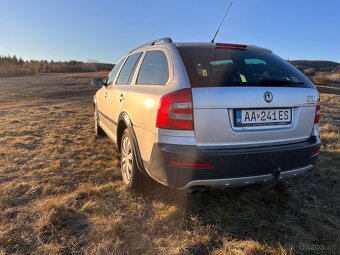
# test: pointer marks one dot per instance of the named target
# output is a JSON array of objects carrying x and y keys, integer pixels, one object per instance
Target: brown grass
[
  {"x": 325, "y": 77},
  {"x": 61, "y": 190}
]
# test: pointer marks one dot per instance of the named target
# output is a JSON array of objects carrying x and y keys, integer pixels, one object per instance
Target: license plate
[{"x": 263, "y": 117}]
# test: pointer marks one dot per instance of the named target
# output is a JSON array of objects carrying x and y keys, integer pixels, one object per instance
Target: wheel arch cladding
[
  {"x": 124, "y": 122},
  {"x": 120, "y": 130}
]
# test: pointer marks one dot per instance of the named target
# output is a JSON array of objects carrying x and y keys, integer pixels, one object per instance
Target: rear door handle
[{"x": 121, "y": 98}]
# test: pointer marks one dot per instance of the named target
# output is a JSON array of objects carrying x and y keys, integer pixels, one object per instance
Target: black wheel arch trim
[{"x": 124, "y": 117}]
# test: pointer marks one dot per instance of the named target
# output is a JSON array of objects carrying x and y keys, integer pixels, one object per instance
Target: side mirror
[{"x": 97, "y": 82}]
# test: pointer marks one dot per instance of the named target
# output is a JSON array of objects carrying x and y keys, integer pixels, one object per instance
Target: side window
[
  {"x": 126, "y": 74},
  {"x": 154, "y": 69},
  {"x": 114, "y": 72}
]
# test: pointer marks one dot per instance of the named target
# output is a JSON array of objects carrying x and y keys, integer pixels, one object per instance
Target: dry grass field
[{"x": 61, "y": 190}]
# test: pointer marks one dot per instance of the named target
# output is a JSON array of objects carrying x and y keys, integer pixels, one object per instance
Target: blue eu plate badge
[{"x": 238, "y": 117}]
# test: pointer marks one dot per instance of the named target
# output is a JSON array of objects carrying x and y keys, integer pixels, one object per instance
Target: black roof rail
[{"x": 164, "y": 40}]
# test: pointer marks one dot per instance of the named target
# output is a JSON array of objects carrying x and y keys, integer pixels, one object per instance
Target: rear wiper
[{"x": 278, "y": 81}]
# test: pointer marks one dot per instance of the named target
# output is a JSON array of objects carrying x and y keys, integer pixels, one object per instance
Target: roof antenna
[{"x": 213, "y": 40}]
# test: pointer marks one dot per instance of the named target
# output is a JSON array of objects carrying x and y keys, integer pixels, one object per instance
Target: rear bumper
[
  {"x": 243, "y": 181},
  {"x": 230, "y": 167}
]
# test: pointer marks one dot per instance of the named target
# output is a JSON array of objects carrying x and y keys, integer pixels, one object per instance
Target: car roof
[
  {"x": 213, "y": 45},
  {"x": 167, "y": 41}
]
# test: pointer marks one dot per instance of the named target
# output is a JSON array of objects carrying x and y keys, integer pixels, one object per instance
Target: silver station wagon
[{"x": 201, "y": 115}]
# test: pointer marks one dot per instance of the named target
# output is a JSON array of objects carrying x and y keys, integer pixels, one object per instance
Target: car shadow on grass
[{"x": 277, "y": 217}]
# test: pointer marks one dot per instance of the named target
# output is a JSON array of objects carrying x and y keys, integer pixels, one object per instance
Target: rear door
[
  {"x": 245, "y": 97},
  {"x": 117, "y": 92}
]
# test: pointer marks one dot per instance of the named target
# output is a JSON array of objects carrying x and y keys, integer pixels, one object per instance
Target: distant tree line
[{"x": 13, "y": 66}]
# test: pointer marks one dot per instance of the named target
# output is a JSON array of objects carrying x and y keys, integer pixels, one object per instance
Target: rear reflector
[
  {"x": 189, "y": 164},
  {"x": 231, "y": 46},
  {"x": 315, "y": 152}
]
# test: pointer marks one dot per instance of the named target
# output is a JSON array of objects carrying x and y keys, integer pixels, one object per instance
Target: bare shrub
[
  {"x": 324, "y": 77},
  {"x": 310, "y": 71}
]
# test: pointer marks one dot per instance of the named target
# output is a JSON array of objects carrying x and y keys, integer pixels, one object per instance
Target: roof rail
[{"x": 164, "y": 40}]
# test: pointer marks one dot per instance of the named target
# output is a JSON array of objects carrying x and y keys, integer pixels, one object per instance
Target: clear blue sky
[{"x": 105, "y": 30}]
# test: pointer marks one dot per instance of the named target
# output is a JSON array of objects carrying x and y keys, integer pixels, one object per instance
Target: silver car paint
[{"x": 213, "y": 110}]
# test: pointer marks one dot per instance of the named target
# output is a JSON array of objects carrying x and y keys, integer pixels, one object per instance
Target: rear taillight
[
  {"x": 175, "y": 111},
  {"x": 317, "y": 112}
]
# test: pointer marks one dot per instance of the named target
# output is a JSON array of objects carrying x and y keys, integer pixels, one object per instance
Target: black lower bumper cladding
[{"x": 227, "y": 163}]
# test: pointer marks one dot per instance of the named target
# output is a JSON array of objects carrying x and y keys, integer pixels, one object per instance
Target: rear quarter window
[{"x": 154, "y": 69}]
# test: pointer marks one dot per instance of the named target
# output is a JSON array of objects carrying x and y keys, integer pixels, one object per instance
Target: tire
[
  {"x": 98, "y": 131},
  {"x": 131, "y": 175}
]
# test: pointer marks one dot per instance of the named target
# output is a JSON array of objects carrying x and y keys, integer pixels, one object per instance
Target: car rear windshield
[{"x": 220, "y": 67}]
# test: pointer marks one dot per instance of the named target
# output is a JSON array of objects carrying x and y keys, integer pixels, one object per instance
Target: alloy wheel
[{"x": 126, "y": 159}]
